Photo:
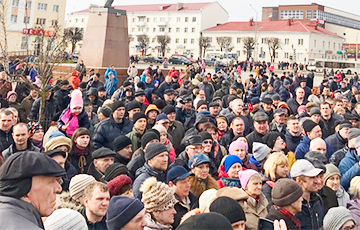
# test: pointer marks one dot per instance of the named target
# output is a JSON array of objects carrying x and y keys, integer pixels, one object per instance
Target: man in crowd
[
  {"x": 278, "y": 123},
  {"x": 293, "y": 133},
  {"x": 140, "y": 123},
  {"x": 26, "y": 104},
  {"x": 261, "y": 128},
  {"x": 328, "y": 118},
  {"x": 299, "y": 99},
  {"x": 102, "y": 158},
  {"x": 176, "y": 128},
  {"x": 338, "y": 140},
  {"x": 6, "y": 124},
  {"x": 122, "y": 146},
  {"x": 237, "y": 127}
]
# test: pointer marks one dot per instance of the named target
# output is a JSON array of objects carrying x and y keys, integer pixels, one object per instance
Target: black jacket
[
  {"x": 312, "y": 213},
  {"x": 336, "y": 141},
  {"x": 74, "y": 159},
  {"x": 329, "y": 125},
  {"x": 182, "y": 209},
  {"x": 254, "y": 136},
  {"x": 293, "y": 105},
  {"x": 5, "y": 139},
  {"x": 96, "y": 173},
  {"x": 108, "y": 130},
  {"x": 227, "y": 138},
  {"x": 12, "y": 149},
  {"x": 136, "y": 162},
  {"x": 177, "y": 132},
  {"x": 329, "y": 197},
  {"x": 276, "y": 215},
  {"x": 97, "y": 102},
  {"x": 62, "y": 96},
  {"x": 120, "y": 159},
  {"x": 292, "y": 141},
  {"x": 101, "y": 225},
  {"x": 52, "y": 109}
]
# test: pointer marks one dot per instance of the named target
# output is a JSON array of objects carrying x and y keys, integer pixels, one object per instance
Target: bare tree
[
  {"x": 143, "y": 42},
  {"x": 224, "y": 43},
  {"x": 204, "y": 43},
  {"x": 249, "y": 46},
  {"x": 163, "y": 40},
  {"x": 273, "y": 44},
  {"x": 74, "y": 35}
]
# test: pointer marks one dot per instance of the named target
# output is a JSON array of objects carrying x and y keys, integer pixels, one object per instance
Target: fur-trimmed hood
[{"x": 198, "y": 186}]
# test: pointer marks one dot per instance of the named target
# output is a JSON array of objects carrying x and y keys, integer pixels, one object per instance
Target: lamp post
[
  {"x": 256, "y": 12},
  {"x": 356, "y": 48}
]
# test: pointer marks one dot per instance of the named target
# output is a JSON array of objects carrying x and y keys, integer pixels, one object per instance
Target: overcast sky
[{"x": 239, "y": 10}]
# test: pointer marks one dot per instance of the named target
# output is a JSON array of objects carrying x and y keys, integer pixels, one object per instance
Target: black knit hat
[
  {"x": 154, "y": 149},
  {"x": 270, "y": 138},
  {"x": 150, "y": 135},
  {"x": 285, "y": 192},
  {"x": 200, "y": 103},
  {"x": 121, "y": 142},
  {"x": 106, "y": 111},
  {"x": 205, "y": 135},
  {"x": 159, "y": 103},
  {"x": 116, "y": 105},
  {"x": 308, "y": 125},
  {"x": 132, "y": 105},
  {"x": 115, "y": 170},
  {"x": 138, "y": 116},
  {"x": 168, "y": 109},
  {"x": 229, "y": 208},
  {"x": 208, "y": 221}
]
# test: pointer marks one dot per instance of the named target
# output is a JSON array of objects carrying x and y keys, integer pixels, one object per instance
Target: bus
[{"x": 348, "y": 67}]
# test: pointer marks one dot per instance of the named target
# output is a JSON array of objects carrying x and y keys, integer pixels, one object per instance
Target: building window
[
  {"x": 162, "y": 19},
  {"x": 314, "y": 14},
  {"x": 176, "y": 40},
  {"x": 300, "y": 41},
  {"x": 133, "y": 20},
  {"x": 186, "y": 19},
  {"x": 56, "y": 8},
  {"x": 295, "y": 14},
  {"x": 153, "y": 40},
  {"x": 142, "y": 19},
  {"x": 324, "y": 44},
  {"x": 238, "y": 40},
  {"x": 185, "y": 30},
  {"x": 194, "y": 19},
  {"x": 308, "y": 14},
  {"x": 286, "y": 55},
  {"x": 24, "y": 42},
  {"x": 286, "y": 41},
  {"x": 40, "y": 21},
  {"x": 26, "y": 20},
  {"x": 192, "y": 30},
  {"x": 334, "y": 46},
  {"x": 15, "y": 3},
  {"x": 177, "y": 30},
  {"x": 178, "y": 19},
  {"x": 185, "y": 40},
  {"x": 27, "y": 5},
  {"x": 300, "y": 56},
  {"x": 154, "y": 29},
  {"x": 263, "y": 40},
  {"x": 132, "y": 29},
  {"x": 162, "y": 29},
  {"x": 54, "y": 22},
  {"x": 192, "y": 41},
  {"x": 42, "y": 6},
  {"x": 328, "y": 45},
  {"x": 169, "y": 30},
  {"x": 14, "y": 18},
  {"x": 148, "y": 20},
  {"x": 82, "y": 20},
  {"x": 154, "y": 20}
]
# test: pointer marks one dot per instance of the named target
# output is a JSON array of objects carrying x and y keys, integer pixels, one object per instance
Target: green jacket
[{"x": 135, "y": 138}]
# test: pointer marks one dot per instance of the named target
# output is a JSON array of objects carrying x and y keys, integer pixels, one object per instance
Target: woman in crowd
[
  {"x": 120, "y": 186},
  {"x": 354, "y": 204},
  {"x": 201, "y": 180},
  {"x": 222, "y": 125},
  {"x": 315, "y": 97},
  {"x": 275, "y": 167},
  {"x": 165, "y": 140},
  {"x": 332, "y": 180},
  {"x": 240, "y": 149},
  {"x": 36, "y": 134},
  {"x": 211, "y": 150},
  {"x": 80, "y": 155},
  {"x": 276, "y": 142},
  {"x": 229, "y": 171}
]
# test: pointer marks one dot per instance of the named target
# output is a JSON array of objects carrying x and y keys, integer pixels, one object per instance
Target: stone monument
[{"x": 106, "y": 39}]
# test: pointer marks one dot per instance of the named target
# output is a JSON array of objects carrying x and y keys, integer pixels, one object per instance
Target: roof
[
  {"x": 158, "y": 7},
  {"x": 296, "y": 26}
]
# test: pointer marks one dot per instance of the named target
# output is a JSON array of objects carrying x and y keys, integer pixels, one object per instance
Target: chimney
[
  {"x": 179, "y": 6},
  {"x": 251, "y": 22}
]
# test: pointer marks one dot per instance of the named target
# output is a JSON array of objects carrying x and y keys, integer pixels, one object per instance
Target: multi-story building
[
  {"x": 182, "y": 22},
  {"x": 342, "y": 23},
  {"x": 299, "y": 41},
  {"x": 24, "y": 18}
]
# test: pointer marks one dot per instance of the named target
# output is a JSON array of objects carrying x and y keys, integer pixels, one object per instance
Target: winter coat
[
  {"x": 225, "y": 181},
  {"x": 292, "y": 141},
  {"x": 82, "y": 118},
  {"x": 12, "y": 149},
  {"x": 336, "y": 141},
  {"x": 135, "y": 137},
  {"x": 120, "y": 159},
  {"x": 254, "y": 210},
  {"x": 94, "y": 84},
  {"x": 97, "y": 102},
  {"x": 276, "y": 215},
  {"x": 101, "y": 225},
  {"x": 99, "y": 176},
  {"x": 182, "y": 209},
  {"x": 247, "y": 164},
  {"x": 162, "y": 87},
  {"x": 154, "y": 225},
  {"x": 209, "y": 91},
  {"x": 18, "y": 214},
  {"x": 349, "y": 167},
  {"x": 142, "y": 174},
  {"x": 132, "y": 71},
  {"x": 227, "y": 138},
  {"x": 254, "y": 136},
  {"x": 25, "y": 108},
  {"x": 63, "y": 98},
  {"x": 312, "y": 213},
  {"x": 6, "y": 139},
  {"x": 187, "y": 118},
  {"x": 342, "y": 196},
  {"x": 274, "y": 127},
  {"x": 51, "y": 110},
  {"x": 75, "y": 81},
  {"x": 137, "y": 161},
  {"x": 111, "y": 86},
  {"x": 70, "y": 173},
  {"x": 293, "y": 105},
  {"x": 198, "y": 186},
  {"x": 329, "y": 125},
  {"x": 329, "y": 197},
  {"x": 304, "y": 146},
  {"x": 81, "y": 162},
  {"x": 267, "y": 187},
  {"x": 354, "y": 208},
  {"x": 315, "y": 99},
  {"x": 284, "y": 93},
  {"x": 108, "y": 130},
  {"x": 177, "y": 132},
  {"x": 337, "y": 156}
]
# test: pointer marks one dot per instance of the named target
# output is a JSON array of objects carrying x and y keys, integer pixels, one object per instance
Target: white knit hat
[
  {"x": 206, "y": 198},
  {"x": 260, "y": 151},
  {"x": 64, "y": 219},
  {"x": 78, "y": 184}
]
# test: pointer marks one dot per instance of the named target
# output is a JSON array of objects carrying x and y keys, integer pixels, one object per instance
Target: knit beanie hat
[
  {"x": 308, "y": 125},
  {"x": 121, "y": 142},
  {"x": 132, "y": 105},
  {"x": 121, "y": 211},
  {"x": 65, "y": 218},
  {"x": 336, "y": 217},
  {"x": 118, "y": 183},
  {"x": 205, "y": 135},
  {"x": 331, "y": 170},
  {"x": 106, "y": 111},
  {"x": 168, "y": 109},
  {"x": 160, "y": 128},
  {"x": 270, "y": 138},
  {"x": 228, "y": 208},
  {"x": 260, "y": 151},
  {"x": 154, "y": 149},
  {"x": 78, "y": 184},
  {"x": 244, "y": 177},
  {"x": 156, "y": 195},
  {"x": 237, "y": 145},
  {"x": 138, "y": 116},
  {"x": 33, "y": 127},
  {"x": 209, "y": 221},
  {"x": 115, "y": 170},
  {"x": 285, "y": 192},
  {"x": 353, "y": 133},
  {"x": 230, "y": 160},
  {"x": 232, "y": 192},
  {"x": 76, "y": 99},
  {"x": 149, "y": 136},
  {"x": 151, "y": 107},
  {"x": 116, "y": 105},
  {"x": 55, "y": 142},
  {"x": 10, "y": 93},
  {"x": 206, "y": 198}
]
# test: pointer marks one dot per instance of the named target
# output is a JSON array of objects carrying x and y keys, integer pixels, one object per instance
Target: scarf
[
  {"x": 287, "y": 214},
  {"x": 71, "y": 120},
  {"x": 230, "y": 182}
]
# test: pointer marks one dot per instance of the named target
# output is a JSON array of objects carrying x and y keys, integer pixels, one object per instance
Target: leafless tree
[
  {"x": 143, "y": 42},
  {"x": 273, "y": 44},
  {"x": 204, "y": 43},
  {"x": 249, "y": 46},
  {"x": 163, "y": 40},
  {"x": 224, "y": 43}
]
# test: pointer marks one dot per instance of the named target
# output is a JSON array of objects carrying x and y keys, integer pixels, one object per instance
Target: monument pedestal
[{"x": 106, "y": 39}]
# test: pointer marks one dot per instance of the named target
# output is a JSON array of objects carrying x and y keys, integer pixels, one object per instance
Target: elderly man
[
  {"x": 318, "y": 145},
  {"x": 294, "y": 103},
  {"x": 103, "y": 158},
  {"x": 261, "y": 128},
  {"x": 278, "y": 123},
  {"x": 29, "y": 184}
]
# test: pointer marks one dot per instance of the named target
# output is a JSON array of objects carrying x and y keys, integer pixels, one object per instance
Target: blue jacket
[
  {"x": 349, "y": 167},
  {"x": 304, "y": 146},
  {"x": 111, "y": 86},
  {"x": 292, "y": 141},
  {"x": 284, "y": 93},
  {"x": 109, "y": 70}
]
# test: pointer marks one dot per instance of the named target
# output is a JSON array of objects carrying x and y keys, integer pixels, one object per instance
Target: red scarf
[{"x": 289, "y": 215}]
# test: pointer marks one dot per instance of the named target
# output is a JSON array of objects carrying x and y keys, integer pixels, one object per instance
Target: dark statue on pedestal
[{"x": 108, "y": 3}]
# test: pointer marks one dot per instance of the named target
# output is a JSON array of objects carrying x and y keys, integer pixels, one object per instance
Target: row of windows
[
  {"x": 177, "y": 40},
  {"x": 296, "y": 14},
  {"x": 163, "y": 29},
  {"x": 336, "y": 19},
  {"x": 329, "y": 45},
  {"x": 163, "y": 19}
]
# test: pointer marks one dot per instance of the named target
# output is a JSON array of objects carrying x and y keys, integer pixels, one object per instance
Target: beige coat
[{"x": 254, "y": 210}]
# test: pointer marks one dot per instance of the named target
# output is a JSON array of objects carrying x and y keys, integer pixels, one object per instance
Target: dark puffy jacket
[
  {"x": 304, "y": 146},
  {"x": 187, "y": 118},
  {"x": 329, "y": 197},
  {"x": 349, "y": 167},
  {"x": 108, "y": 130},
  {"x": 11, "y": 150},
  {"x": 97, "y": 102},
  {"x": 293, "y": 105},
  {"x": 52, "y": 109},
  {"x": 227, "y": 138},
  {"x": 254, "y": 136},
  {"x": 81, "y": 166},
  {"x": 312, "y": 213},
  {"x": 62, "y": 96},
  {"x": 182, "y": 209},
  {"x": 292, "y": 141},
  {"x": 136, "y": 162},
  {"x": 329, "y": 125},
  {"x": 177, "y": 132},
  {"x": 336, "y": 141},
  {"x": 338, "y": 156},
  {"x": 284, "y": 93},
  {"x": 5, "y": 140}
]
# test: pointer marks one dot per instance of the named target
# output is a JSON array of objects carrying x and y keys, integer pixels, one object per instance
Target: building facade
[
  {"x": 182, "y": 22},
  {"x": 298, "y": 41},
  {"x": 342, "y": 23}
]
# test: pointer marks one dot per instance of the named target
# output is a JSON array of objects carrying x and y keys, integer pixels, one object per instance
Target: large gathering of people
[{"x": 181, "y": 149}]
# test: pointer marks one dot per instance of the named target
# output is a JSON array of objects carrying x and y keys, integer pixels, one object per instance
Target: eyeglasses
[
  {"x": 352, "y": 227},
  {"x": 207, "y": 142}
]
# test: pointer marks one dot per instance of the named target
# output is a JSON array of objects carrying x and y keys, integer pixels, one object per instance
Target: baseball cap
[
  {"x": 304, "y": 168},
  {"x": 177, "y": 173}
]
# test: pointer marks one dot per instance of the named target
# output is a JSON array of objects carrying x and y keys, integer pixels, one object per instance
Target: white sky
[{"x": 239, "y": 10}]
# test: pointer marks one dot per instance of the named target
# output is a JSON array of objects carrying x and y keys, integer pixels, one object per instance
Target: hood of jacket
[
  {"x": 200, "y": 118},
  {"x": 354, "y": 207},
  {"x": 147, "y": 169},
  {"x": 92, "y": 91}
]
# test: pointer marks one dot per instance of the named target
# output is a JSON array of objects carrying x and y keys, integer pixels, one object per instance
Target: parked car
[
  {"x": 211, "y": 62},
  {"x": 183, "y": 55},
  {"x": 179, "y": 60},
  {"x": 152, "y": 59}
]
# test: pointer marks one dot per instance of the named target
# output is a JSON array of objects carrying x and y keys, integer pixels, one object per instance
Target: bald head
[{"x": 318, "y": 145}]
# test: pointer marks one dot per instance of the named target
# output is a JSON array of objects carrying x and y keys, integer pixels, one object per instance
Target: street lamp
[
  {"x": 255, "y": 31},
  {"x": 356, "y": 48}
]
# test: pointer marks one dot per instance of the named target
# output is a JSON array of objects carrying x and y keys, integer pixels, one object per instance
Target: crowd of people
[{"x": 181, "y": 150}]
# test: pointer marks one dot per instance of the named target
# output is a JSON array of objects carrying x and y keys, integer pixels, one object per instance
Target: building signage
[
  {"x": 47, "y": 33},
  {"x": 320, "y": 22}
]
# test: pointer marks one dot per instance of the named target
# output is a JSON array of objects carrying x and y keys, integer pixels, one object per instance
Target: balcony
[
  {"x": 162, "y": 23},
  {"x": 136, "y": 33},
  {"x": 140, "y": 24}
]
